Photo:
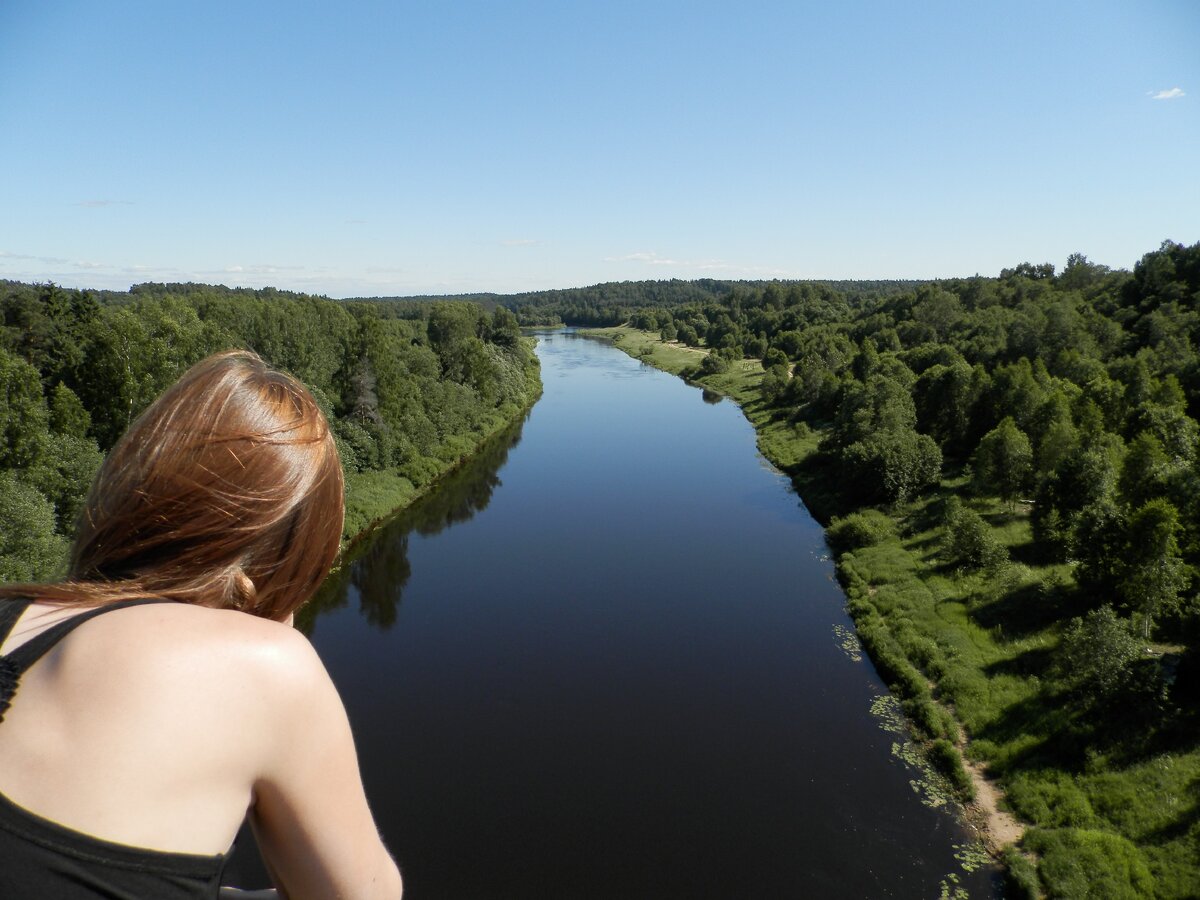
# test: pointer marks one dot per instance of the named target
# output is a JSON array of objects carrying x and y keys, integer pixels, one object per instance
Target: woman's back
[
  {"x": 138, "y": 727},
  {"x": 160, "y": 726}
]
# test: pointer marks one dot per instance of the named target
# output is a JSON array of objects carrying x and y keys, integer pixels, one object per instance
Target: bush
[
  {"x": 713, "y": 364},
  {"x": 947, "y": 760},
  {"x": 929, "y": 718},
  {"x": 1097, "y": 655},
  {"x": 1076, "y": 863},
  {"x": 969, "y": 543},
  {"x": 860, "y": 529},
  {"x": 774, "y": 383},
  {"x": 1020, "y": 875},
  {"x": 1051, "y": 800}
]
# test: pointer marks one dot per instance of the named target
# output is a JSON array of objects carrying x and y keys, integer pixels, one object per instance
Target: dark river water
[{"x": 606, "y": 660}]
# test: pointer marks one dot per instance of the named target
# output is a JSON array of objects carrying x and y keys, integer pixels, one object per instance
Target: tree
[
  {"x": 1079, "y": 273},
  {"x": 881, "y": 404},
  {"x": 774, "y": 357},
  {"x": 67, "y": 413},
  {"x": 1097, "y": 541},
  {"x": 1096, "y": 654},
  {"x": 945, "y": 396},
  {"x": 24, "y": 420},
  {"x": 893, "y": 464},
  {"x": 1003, "y": 461},
  {"x": 29, "y": 548},
  {"x": 64, "y": 475},
  {"x": 968, "y": 542},
  {"x": 713, "y": 364},
  {"x": 362, "y": 403},
  {"x": 1145, "y": 471},
  {"x": 1152, "y": 574}
]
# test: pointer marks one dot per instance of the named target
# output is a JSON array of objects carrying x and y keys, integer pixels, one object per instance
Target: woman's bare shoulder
[{"x": 236, "y": 656}]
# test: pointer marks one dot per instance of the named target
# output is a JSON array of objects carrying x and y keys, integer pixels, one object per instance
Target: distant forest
[
  {"x": 409, "y": 388},
  {"x": 612, "y": 302}
]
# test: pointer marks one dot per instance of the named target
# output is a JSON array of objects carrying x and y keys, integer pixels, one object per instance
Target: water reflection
[{"x": 378, "y": 569}]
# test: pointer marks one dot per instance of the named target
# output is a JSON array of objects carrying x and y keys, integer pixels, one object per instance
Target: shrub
[
  {"x": 713, "y": 364},
  {"x": 929, "y": 718},
  {"x": 1020, "y": 875},
  {"x": 969, "y": 543},
  {"x": 946, "y": 759},
  {"x": 860, "y": 529},
  {"x": 1093, "y": 864},
  {"x": 1051, "y": 800}
]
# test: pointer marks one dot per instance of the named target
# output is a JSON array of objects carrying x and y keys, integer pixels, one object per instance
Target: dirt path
[{"x": 994, "y": 826}]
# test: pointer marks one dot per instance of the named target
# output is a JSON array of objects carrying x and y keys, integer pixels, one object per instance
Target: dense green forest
[
  {"x": 1007, "y": 466},
  {"x": 1008, "y": 469},
  {"x": 612, "y": 303},
  {"x": 410, "y": 389}
]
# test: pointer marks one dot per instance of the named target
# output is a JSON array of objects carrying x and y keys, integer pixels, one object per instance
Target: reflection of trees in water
[
  {"x": 711, "y": 397},
  {"x": 378, "y": 568}
]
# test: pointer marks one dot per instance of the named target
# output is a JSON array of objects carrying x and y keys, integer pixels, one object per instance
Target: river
[{"x": 609, "y": 659}]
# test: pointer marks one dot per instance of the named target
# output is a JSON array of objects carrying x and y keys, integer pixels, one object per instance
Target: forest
[
  {"x": 1007, "y": 469},
  {"x": 612, "y": 302},
  {"x": 410, "y": 389}
]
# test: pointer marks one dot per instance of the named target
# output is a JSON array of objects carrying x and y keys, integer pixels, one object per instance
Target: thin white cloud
[
  {"x": 703, "y": 265},
  {"x": 260, "y": 269},
  {"x": 650, "y": 259},
  {"x": 44, "y": 260},
  {"x": 1170, "y": 94},
  {"x": 641, "y": 256},
  {"x": 97, "y": 204}
]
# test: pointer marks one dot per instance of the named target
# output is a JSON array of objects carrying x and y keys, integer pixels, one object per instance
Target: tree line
[
  {"x": 407, "y": 388},
  {"x": 1076, "y": 394}
]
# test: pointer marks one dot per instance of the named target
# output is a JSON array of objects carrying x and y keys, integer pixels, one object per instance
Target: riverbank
[
  {"x": 971, "y": 656},
  {"x": 376, "y": 497},
  {"x": 788, "y": 447}
]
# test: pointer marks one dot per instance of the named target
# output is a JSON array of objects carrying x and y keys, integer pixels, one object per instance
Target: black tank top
[{"x": 42, "y": 859}]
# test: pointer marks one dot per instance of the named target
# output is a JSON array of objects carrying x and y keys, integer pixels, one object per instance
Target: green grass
[
  {"x": 1111, "y": 814},
  {"x": 372, "y": 497}
]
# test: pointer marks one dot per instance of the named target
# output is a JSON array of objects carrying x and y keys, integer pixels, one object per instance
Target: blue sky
[{"x": 370, "y": 148}]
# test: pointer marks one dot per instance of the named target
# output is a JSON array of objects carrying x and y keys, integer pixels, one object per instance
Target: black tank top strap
[
  {"x": 37, "y": 647},
  {"x": 10, "y": 611},
  {"x": 13, "y": 665}
]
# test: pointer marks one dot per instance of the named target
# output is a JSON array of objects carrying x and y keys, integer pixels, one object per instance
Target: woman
[{"x": 162, "y": 696}]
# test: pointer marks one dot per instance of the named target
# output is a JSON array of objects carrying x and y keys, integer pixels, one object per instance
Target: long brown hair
[{"x": 226, "y": 492}]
